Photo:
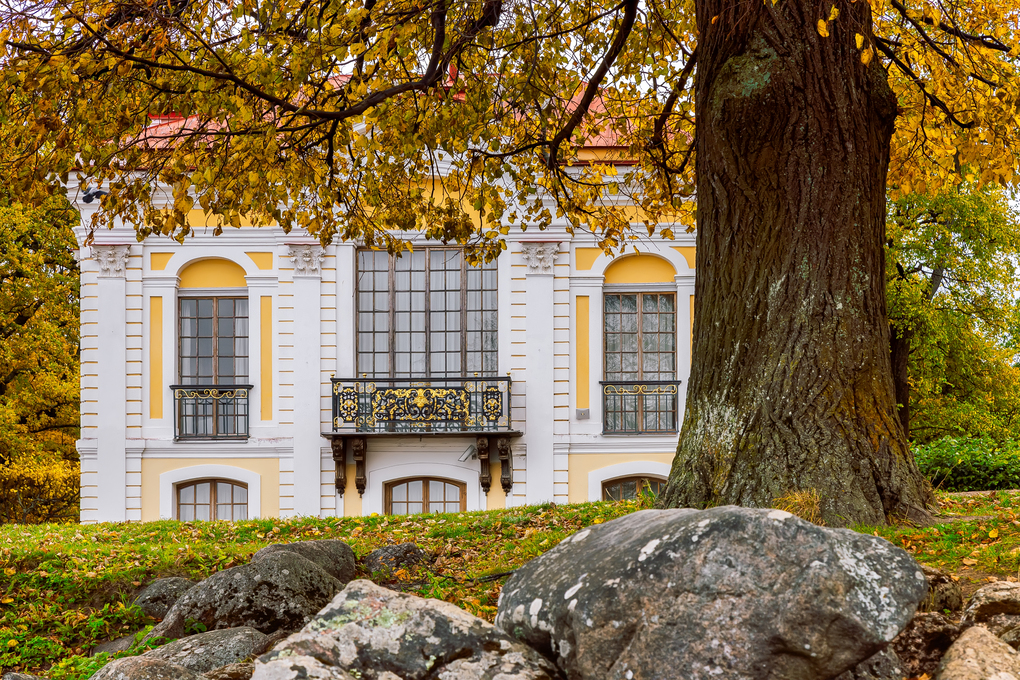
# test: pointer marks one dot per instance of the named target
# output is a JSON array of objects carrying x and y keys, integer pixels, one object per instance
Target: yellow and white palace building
[{"x": 257, "y": 374}]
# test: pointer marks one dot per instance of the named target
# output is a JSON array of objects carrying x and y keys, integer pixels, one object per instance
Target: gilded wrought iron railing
[
  {"x": 211, "y": 411},
  {"x": 422, "y": 405},
  {"x": 640, "y": 407}
]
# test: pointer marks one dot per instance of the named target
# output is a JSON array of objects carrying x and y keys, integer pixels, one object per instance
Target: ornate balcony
[
  {"x": 210, "y": 411},
  {"x": 640, "y": 407}
]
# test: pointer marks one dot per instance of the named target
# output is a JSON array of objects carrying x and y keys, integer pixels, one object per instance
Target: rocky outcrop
[
  {"x": 160, "y": 595},
  {"x": 20, "y": 676},
  {"x": 121, "y": 644},
  {"x": 207, "y": 651},
  {"x": 978, "y": 655},
  {"x": 280, "y": 591},
  {"x": 724, "y": 593},
  {"x": 389, "y": 558},
  {"x": 235, "y": 671},
  {"x": 1001, "y": 597},
  {"x": 335, "y": 557},
  {"x": 370, "y": 632},
  {"x": 143, "y": 668},
  {"x": 883, "y": 666},
  {"x": 921, "y": 645},
  {"x": 943, "y": 592}
]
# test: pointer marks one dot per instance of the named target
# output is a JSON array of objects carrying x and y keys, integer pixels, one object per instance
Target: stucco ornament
[
  {"x": 540, "y": 256},
  {"x": 112, "y": 260},
  {"x": 307, "y": 260}
]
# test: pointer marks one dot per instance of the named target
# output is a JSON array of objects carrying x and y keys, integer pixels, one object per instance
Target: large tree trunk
[{"x": 791, "y": 386}]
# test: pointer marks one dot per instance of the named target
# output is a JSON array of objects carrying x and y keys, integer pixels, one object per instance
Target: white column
[
  {"x": 307, "y": 381},
  {"x": 346, "y": 353},
  {"x": 539, "y": 366},
  {"x": 684, "y": 293},
  {"x": 111, "y": 456}
]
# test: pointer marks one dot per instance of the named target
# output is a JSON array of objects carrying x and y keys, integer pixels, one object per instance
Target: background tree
[
  {"x": 38, "y": 363},
  {"x": 330, "y": 114},
  {"x": 952, "y": 290}
]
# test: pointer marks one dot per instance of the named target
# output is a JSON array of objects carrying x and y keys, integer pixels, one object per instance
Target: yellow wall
[
  {"x": 157, "y": 261},
  {"x": 352, "y": 501},
  {"x": 688, "y": 252},
  {"x": 583, "y": 463},
  {"x": 262, "y": 260},
  {"x": 583, "y": 352},
  {"x": 584, "y": 258},
  {"x": 266, "y": 347},
  {"x": 268, "y": 468},
  {"x": 215, "y": 273},
  {"x": 640, "y": 269},
  {"x": 156, "y": 357},
  {"x": 496, "y": 499}
]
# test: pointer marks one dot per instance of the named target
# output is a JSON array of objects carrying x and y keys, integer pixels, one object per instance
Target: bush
[
  {"x": 970, "y": 464},
  {"x": 42, "y": 490}
]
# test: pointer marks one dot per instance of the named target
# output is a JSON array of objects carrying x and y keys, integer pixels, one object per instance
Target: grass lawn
[{"x": 64, "y": 588}]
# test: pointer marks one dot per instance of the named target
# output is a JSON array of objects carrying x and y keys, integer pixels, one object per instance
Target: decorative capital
[
  {"x": 112, "y": 260},
  {"x": 540, "y": 256},
  {"x": 307, "y": 260}
]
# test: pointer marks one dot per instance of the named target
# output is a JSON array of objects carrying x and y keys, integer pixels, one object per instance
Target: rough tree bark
[{"x": 791, "y": 384}]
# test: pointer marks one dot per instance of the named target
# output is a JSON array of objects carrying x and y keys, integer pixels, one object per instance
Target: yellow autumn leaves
[{"x": 823, "y": 30}]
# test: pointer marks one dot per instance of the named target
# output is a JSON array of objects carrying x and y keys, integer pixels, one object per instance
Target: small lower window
[
  {"x": 628, "y": 488},
  {"x": 414, "y": 496},
  {"x": 212, "y": 499}
]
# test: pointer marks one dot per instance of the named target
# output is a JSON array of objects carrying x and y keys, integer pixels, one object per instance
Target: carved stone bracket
[
  {"x": 540, "y": 256},
  {"x": 112, "y": 260},
  {"x": 506, "y": 478},
  {"x": 484, "y": 476},
  {"x": 307, "y": 260},
  {"x": 358, "y": 446},
  {"x": 340, "y": 460}
]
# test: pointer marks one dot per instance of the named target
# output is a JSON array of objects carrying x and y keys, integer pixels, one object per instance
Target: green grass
[{"x": 64, "y": 588}]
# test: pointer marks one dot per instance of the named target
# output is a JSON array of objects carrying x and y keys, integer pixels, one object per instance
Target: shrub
[
  {"x": 970, "y": 464},
  {"x": 41, "y": 490}
]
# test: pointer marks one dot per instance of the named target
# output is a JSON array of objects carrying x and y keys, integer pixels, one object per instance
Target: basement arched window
[{"x": 209, "y": 499}]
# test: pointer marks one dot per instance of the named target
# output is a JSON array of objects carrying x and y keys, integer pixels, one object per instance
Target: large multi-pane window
[
  {"x": 640, "y": 351},
  {"x": 213, "y": 358},
  {"x": 212, "y": 499},
  {"x": 425, "y": 314},
  {"x": 414, "y": 496}
]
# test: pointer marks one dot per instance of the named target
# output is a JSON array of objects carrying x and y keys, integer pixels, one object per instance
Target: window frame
[
  {"x": 388, "y": 492},
  {"x": 428, "y": 373},
  {"x": 629, "y": 478},
  {"x": 215, "y": 294},
  {"x": 213, "y": 504}
]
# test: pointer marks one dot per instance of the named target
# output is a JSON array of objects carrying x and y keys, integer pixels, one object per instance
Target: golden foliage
[
  {"x": 39, "y": 490},
  {"x": 806, "y": 504}
]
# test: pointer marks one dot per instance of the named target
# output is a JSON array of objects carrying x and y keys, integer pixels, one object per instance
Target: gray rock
[
  {"x": 883, "y": 666},
  {"x": 979, "y": 655},
  {"x": 722, "y": 593},
  {"x": 143, "y": 668},
  {"x": 278, "y": 592},
  {"x": 921, "y": 645},
  {"x": 161, "y": 594},
  {"x": 372, "y": 633},
  {"x": 206, "y": 651},
  {"x": 21, "y": 676},
  {"x": 389, "y": 558},
  {"x": 943, "y": 592},
  {"x": 1006, "y": 627},
  {"x": 336, "y": 557},
  {"x": 235, "y": 671},
  {"x": 1001, "y": 597},
  {"x": 113, "y": 646}
]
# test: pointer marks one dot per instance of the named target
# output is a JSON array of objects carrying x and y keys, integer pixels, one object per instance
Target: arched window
[
  {"x": 425, "y": 494},
  {"x": 208, "y": 499},
  {"x": 628, "y": 488}
]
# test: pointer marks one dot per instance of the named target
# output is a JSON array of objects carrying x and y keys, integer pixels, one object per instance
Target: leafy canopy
[{"x": 335, "y": 115}]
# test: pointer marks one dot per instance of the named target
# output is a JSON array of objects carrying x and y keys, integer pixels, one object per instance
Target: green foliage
[
  {"x": 65, "y": 588},
  {"x": 970, "y": 464},
  {"x": 952, "y": 289}
]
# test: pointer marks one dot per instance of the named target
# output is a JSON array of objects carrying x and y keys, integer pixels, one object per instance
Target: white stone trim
[
  {"x": 307, "y": 259},
  {"x": 112, "y": 260},
  {"x": 629, "y": 469},
  {"x": 373, "y": 500},
  {"x": 167, "y": 480},
  {"x": 540, "y": 256}
]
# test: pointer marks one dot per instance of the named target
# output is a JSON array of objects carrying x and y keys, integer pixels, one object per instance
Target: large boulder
[
  {"x": 390, "y": 558},
  {"x": 206, "y": 651},
  {"x": 943, "y": 592},
  {"x": 336, "y": 557},
  {"x": 723, "y": 593},
  {"x": 370, "y": 632},
  {"x": 883, "y": 666},
  {"x": 161, "y": 594},
  {"x": 20, "y": 676},
  {"x": 235, "y": 671},
  {"x": 278, "y": 592},
  {"x": 1001, "y": 597},
  {"x": 978, "y": 655},
  {"x": 143, "y": 668},
  {"x": 921, "y": 645}
]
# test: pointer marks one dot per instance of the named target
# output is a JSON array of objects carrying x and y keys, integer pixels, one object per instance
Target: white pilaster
[
  {"x": 684, "y": 295},
  {"x": 111, "y": 454},
  {"x": 346, "y": 315},
  {"x": 540, "y": 363},
  {"x": 307, "y": 350}
]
